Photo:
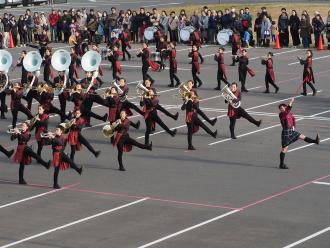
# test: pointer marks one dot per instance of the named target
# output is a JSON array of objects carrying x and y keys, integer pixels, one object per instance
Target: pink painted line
[
  {"x": 283, "y": 192},
  {"x": 152, "y": 198}
]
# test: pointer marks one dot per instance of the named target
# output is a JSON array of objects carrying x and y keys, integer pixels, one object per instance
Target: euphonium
[
  {"x": 67, "y": 125},
  {"x": 183, "y": 90},
  {"x": 109, "y": 129},
  {"x": 230, "y": 96},
  {"x": 141, "y": 89}
]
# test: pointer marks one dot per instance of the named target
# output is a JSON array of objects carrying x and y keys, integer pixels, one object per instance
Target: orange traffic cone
[
  {"x": 11, "y": 41},
  {"x": 320, "y": 46},
  {"x": 277, "y": 42}
]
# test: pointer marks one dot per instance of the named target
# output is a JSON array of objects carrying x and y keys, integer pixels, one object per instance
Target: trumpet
[
  {"x": 109, "y": 129},
  {"x": 47, "y": 135},
  {"x": 14, "y": 130},
  {"x": 67, "y": 125},
  {"x": 230, "y": 96},
  {"x": 139, "y": 52}
]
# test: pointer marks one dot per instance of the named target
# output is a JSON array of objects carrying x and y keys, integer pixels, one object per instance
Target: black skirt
[{"x": 289, "y": 136}]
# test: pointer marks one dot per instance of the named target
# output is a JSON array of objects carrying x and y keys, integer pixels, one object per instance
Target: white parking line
[
  {"x": 72, "y": 223},
  {"x": 308, "y": 238},
  {"x": 35, "y": 196},
  {"x": 308, "y": 145},
  {"x": 322, "y": 183},
  {"x": 188, "y": 229},
  {"x": 322, "y": 57}
]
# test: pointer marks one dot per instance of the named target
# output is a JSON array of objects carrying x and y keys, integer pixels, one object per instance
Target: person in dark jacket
[
  {"x": 22, "y": 30},
  {"x": 305, "y": 31},
  {"x": 318, "y": 27},
  {"x": 13, "y": 29},
  {"x": 294, "y": 23},
  {"x": 283, "y": 28}
]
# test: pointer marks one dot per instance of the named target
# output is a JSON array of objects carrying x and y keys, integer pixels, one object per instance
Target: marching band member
[
  {"x": 43, "y": 41},
  {"x": 193, "y": 122},
  {"x": 58, "y": 81},
  {"x": 114, "y": 41},
  {"x": 33, "y": 92},
  {"x": 6, "y": 152},
  {"x": 195, "y": 38},
  {"x": 236, "y": 113},
  {"x": 41, "y": 125},
  {"x": 24, "y": 74},
  {"x": 61, "y": 161},
  {"x": 308, "y": 76},
  {"x": 289, "y": 135},
  {"x": 125, "y": 38},
  {"x": 221, "y": 75},
  {"x": 171, "y": 54},
  {"x": 76, "y": 139},
  {"x": 126, "y": 104},
  {"x": 194, "y": 54},
  {"x": 161, "y": 49},
  {"x": 150, "y": 102},
  {"x": 47, "y": 66},
  {"x": 235, "y": 46},
  {"x": 112, "y": 101},
  {"x": 24, "y": 153},
  {"x": 243, "y": 68},
  {"x": 124, "y": 142},
  {"x": 270, "y": 74},
  {"x": 3, "y": 94},
  {"x": 16, "y": 104},
  {"x": 73, "y": 71},
  {"x": 46, "y": 98},
  {"x": 144, "y": 53},
  {"x": 114, "y": 60}
]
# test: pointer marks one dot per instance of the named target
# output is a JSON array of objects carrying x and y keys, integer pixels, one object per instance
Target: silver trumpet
[
  {"x": 229, "y": 97},
  {"x": 14, "y": 130},
  {"x": 46, "y": 135}
]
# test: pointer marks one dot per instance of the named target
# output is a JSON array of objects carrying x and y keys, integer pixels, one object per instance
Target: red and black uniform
[
  {"x": 4, "y": 107},
  {"x": 112, "y": 103},
  {"x": 43, "y": 43},
  {"x": 48, "y": 72},
  {"x": 41, "y": 126},
  {"x": 116, "y": 66},
  {"x": 63, "y": 97},
  {"x": 127, "y": 105},
  {"x": 195, "y": 69},
  {"x": 125, "y": 143},
  {"x": 308, "y": 75},
  {"x": 146, "y": 62},
  {"x": 61, "y": 161},
  {"x": 24, "y": 74},
  {"x": 73, "y": 71},
  {"x": 46, "y": 99},
  {"x": 195, "y": 39},
  {"x": 193, "y": 122},
  {"x": 235, "y": 46},
  {"x": 161, "y": 49},
  {"x": 115, "y": 42},
  {"x": 125, "y": 38},
  {"x": 151, "y": 116},
  {"x": 158, "y": 34},
  {"x": 17, "y": 106},
  {"x": 221, "y": 75},
  {"x": 24, "y": 154},
  {"x": 270, "y": 74},
  {"x": 76, "y": 139},
  {"x": 33, "y": 92},
  {"x": 243, "y": 69},
  {"x": 237, "y": 113},
  {"x": 171, "y": 54}
]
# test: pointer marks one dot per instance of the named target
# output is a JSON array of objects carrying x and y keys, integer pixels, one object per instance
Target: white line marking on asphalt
[
  {"x": 322, "y": 183},
  {"x": 308, "y": 145},
  {"x": 294, "y": 63}
]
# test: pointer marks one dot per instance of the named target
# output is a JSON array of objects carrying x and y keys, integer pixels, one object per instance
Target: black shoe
[
  {"x": 22, "y": 181},
  {"x": 244, "y": 90},
  {"x": 283, "y": 166},
  {"x": 317, "y": 139},
  {"x": 212, "y": 122},
  {"x": 277, "y": 89},
  {"x": 122, "y": 169},
  {"x": 149, "y": 147},
  {"x": 97, "y": 153},
  {"x": 217, "y": 88},
  {"x": 259, "y": 123},
  {"x": 176, "y": 116},
  {"x": 170, "y": 85},
  {"x": 214, "y": 135},
  {"x": 266, "y": 91},
  {"x": 191, "y": 148},
  {"x": 48, "y": 164},
  {"x": 303, "y": 94},
  {"x": 177, "y": 84},
  {"x": 314, "y": 93},
  {"x": 10, "y": 153},
  {"x": 105, "y": 117},
  {"x": 233, "y": 137},
  {"x": 80, "y": 170},
  {"x": 194, "y": 86},
  {"x": 200, "y": 84},
  {"x": 138, "y": 123},
  {"x": 56, "y": 186},
  {"x": 173, "y": 133}
]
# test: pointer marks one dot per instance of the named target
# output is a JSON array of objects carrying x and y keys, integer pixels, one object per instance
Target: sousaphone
[
  {"x": 32, "y": 63},
  {"x": 61, "y": 61},
  {"x": 6, "y": 61}
]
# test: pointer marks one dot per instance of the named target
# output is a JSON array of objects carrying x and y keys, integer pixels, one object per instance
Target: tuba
[
  {"x": 32, "y": 63},
  {"x": 109, "y": 129},
  {"x": 230, "y": 96},
  {"x": 61, "y": 61},
  {"x": 91, "y": 61},
  {"x": 5, "y": 63}
]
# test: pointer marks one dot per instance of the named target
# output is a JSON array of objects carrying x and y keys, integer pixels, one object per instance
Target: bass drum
[
  {"x": 185, "y": 33},
  {"x": 149, "y": 33},
  {"x": 224, "y": 36}
]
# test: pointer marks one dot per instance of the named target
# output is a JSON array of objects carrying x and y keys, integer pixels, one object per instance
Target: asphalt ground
[{"x": 227, "y": 193}]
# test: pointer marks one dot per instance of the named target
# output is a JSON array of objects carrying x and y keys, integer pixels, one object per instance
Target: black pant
[
  {"x": 145, "y": 75},
  {"x": 163, "y": 110},
  {"x": 62, "y": 100},
  {"x": 128, "y": 105},
  {"x": 20, "y": 108},
  {"x": 240, "y": 113},
  {"x": 4, "y": 150},
  {"x": 124, "y": 50},
  {"x": 242, "y": 76},
  {"x": 196, "y": 79},
  {"x": 40, "y": 146},
  {"x": 174, "y": 35},
  {"x": 64, "y": 158},
  {"x": 4, "y": 107},
  {"x": 127, "y": 141},
  {"x": 284, "y": 37},
  {"x": 84, "y": 142},
  {"x": 153, "y": 117},
  {"x": 269, "y": 81},
  {"x": 220, "y": 77},
  {"x": 114, "y": 72},
  {"x": 174, "y": 76},
  {"x": 33, "y": 94},
  {"x": 310, "y": 85},
  {"x": 87, "y": 112},
  {"x": 72, "y": 79},
  {"x": 190, "y": 126}
]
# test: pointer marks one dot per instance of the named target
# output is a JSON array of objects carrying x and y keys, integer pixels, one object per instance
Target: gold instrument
[
  {"x": 109, "y": 129},
  {"x": 14, "y": 130},
  {"x": 183, "y": 90},
  {"x": 230, "y": 96},
  {"x": 67, "y": 125}
]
